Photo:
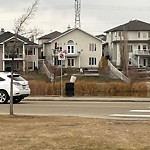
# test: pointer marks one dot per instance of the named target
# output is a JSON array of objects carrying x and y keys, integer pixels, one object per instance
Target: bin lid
[{"x": 73, "y": 79}]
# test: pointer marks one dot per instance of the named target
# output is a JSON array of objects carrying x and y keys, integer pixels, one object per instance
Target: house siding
[{"x": 81, "y": 42}]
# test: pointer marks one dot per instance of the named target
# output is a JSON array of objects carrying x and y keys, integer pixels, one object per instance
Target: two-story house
[
  {"x": 138, "y": 41},
  {"x": 25, "y": 52},
  {"x": 81, "y": 49}
]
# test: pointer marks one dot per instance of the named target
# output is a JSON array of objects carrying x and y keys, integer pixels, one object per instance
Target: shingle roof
[
  {"x": 55, "y": 35},
  {"x": 7, "y": 35},
  {"x": 133, "y": 25},
  {"x": 51, "y": 36}
]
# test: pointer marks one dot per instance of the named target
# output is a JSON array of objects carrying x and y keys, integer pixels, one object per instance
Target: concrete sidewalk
[{"x": 92, "y": 99}]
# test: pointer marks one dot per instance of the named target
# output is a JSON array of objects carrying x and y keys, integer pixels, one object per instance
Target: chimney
[
  {"x": 68, "y": 28},
  {"x": 2, "y": 31}
]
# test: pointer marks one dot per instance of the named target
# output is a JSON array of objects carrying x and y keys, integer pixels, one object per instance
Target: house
[
  {"x": 138, "y": 43},
  {"x": 78, "y": 48},
  {"x": 25, "y": 55}
]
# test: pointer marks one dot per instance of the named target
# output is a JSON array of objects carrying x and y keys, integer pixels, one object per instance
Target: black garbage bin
[{"x": 69, "y": 89}]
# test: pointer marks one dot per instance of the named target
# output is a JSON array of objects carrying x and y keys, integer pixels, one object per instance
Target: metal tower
[{"x": 77, "y": 13}]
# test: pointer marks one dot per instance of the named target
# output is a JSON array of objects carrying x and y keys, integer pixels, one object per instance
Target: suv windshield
[{"x": 17, "y": 78}]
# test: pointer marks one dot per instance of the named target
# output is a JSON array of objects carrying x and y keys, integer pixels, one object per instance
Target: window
[
  {"x": 139, "y": 35},
  {"x": 71, "y": 62},
  {"x": 130, "y": 48},
  {"x": 144, "y": 35},
  {"x": 144, "y": 47},
  {"x": 139, "y": 47},
  {"x": 120, "y": 34},
  {"x": 92, "y": 47},
  {"x": 149, "y": 34},
  {"x": 70, "y": 47},
  {"x": 92, "y": 60},
  {"x": 30, "y": 65},
  {"x": 30, "y": 51},
  {"x": 1, "y": 79},
  {"x": 57, "y": 62},
  {"x": 17, "y": 77},
  {"x": 59, "y": 47}
]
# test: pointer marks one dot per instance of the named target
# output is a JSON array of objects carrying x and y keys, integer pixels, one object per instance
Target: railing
[
  {"x": 10, "y": 55},
  {"x": 119, "y": 74},
  {"x": 76, "y": 53},
  {"x": 143, "y": 52},
  {"x": 45, "y": 69}
]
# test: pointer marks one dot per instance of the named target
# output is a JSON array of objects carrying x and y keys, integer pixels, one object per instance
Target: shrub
[
  {"x": 114, "y": 87},
  {"x": 82, "y": 88}
]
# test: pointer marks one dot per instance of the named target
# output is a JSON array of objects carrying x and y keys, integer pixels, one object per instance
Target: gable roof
[
  {"x": 52, "y": 36},
  {"x": 8, "y": 35},
  {"x": 133, "y": 25}
]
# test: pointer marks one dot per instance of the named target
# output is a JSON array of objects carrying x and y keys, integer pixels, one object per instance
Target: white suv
[{"x": 20, "y": 87}]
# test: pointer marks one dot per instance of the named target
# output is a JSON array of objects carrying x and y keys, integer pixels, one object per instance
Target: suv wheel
[
  {"x": 16, "y": 100},
  {"x": 3, "y": 97}
]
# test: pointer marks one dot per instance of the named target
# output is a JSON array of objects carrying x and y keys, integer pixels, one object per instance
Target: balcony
[
  {"x": 17, "y": 56},
  {"x": 145, "y": 52},
  {"x": 76, "y": 54}
]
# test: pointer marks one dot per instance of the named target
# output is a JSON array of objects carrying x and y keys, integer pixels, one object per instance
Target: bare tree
[
  {"x": 20, "y": 24},
  {"x": 124, "y": 54}
]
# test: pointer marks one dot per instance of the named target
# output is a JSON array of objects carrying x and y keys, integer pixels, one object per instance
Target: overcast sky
[{"x": 97, "y": 16}]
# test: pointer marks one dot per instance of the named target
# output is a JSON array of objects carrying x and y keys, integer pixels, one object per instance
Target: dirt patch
[{"x": 72, "y": 133}]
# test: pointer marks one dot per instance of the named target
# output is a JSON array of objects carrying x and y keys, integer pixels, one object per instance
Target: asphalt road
[{"x": 108, "y": 110}]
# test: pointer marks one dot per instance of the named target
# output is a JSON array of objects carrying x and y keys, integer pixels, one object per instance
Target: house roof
[
  {"x": 8, "y": 35},
  {"x": 51, "y": 36},
  {"x": 55, "y": 35},
  {"x": 133, "y": 25}
]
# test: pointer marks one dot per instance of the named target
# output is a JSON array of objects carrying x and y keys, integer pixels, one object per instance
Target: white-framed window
[
  {"x": 139, "y": 47},
  {"x": 71, "y": 62},
  {"x": 144, "y": 47},
  {"x": 92, "y": 47},
  {"x": 92, "y": 61},
  {"x": 30, "y": 51},
  {"x": 70, "y": 47},
  {"x": 139, "y": 34}
]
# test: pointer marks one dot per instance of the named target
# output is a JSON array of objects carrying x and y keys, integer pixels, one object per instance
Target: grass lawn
[
  {"x": 43, "y": 77},
  {"x": 72, "y": 133}
]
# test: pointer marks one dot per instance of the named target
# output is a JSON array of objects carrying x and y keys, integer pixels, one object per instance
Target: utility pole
[{"x": 77, "y": 13}]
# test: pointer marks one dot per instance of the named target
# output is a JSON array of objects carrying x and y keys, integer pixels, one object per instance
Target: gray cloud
[{"x": 96, "y": 16}]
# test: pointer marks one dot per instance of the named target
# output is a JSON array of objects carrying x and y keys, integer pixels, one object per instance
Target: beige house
[
  {"x": 25, "y": 55},
  {"x": 138, "y": 40},
  {"x": 79, "y": 49}
]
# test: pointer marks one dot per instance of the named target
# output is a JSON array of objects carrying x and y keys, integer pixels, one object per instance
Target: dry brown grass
[
  {"x": 72, "y": 133},
  {"x": 114, "y": 87},
  {"x": 82, "y": 88}
]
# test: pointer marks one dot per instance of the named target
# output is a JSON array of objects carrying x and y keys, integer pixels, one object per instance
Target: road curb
[{"x": 90, "y": 99}]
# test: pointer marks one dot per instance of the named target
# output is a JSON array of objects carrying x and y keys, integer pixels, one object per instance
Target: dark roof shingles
[
  {"x": 6, "y": 35},
  {"x": 134, "y": 25}
]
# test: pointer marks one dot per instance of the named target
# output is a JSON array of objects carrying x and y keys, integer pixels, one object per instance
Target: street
[{"x": 107, "y": 110}]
